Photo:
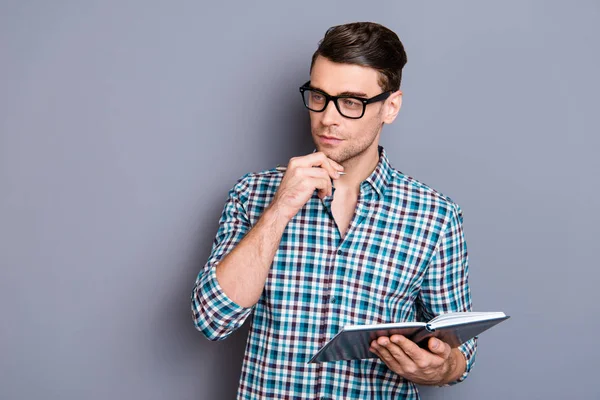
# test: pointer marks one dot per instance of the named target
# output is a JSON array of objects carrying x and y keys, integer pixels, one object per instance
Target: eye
[
  {"x": 317, "y": 97},
  {"x": 351, "y": 103}
]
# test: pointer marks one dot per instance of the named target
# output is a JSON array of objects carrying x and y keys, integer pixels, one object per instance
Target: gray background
[{"x": 123, "y": 124}]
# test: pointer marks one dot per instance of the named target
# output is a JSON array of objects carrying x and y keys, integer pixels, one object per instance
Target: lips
[
  {"x": 329, "y": 141},
  {"x": 330, "y": 137}
]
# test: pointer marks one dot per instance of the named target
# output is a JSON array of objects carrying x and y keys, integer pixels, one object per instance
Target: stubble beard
[{"x": 347, "y": 150}]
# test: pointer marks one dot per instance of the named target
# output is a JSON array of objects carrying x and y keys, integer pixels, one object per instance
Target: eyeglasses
[{"x": 348, "y": 106}]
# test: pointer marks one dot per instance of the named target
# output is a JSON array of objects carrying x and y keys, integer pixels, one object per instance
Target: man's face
[{"x": 340, "y": 138}]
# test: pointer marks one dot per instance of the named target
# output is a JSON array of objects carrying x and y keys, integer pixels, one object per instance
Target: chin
[
  {"x": 334, "y": 155},
  {"x": 338, "y": 156}
]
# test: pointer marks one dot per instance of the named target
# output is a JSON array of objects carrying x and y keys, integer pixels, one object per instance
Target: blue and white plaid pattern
[{"x": 403, "y": 258}]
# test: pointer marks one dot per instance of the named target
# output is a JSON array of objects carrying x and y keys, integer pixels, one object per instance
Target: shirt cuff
[
  {"x": 468, "y": 349},
  {"x": 215, "y": 314}
]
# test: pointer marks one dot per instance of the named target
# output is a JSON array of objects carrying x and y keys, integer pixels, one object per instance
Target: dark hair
[{"x": 367, "y": 44}]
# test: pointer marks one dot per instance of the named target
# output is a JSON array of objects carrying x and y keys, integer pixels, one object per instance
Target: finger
[
  {"x": 438, "y": 347},
  {"x": 317, "y": 159},
  {"x": 335, "y": 165},
  {"x": 374, "y": 350},
  {"x": 388, "y": 358},
  {"x": 320, "y": 173},
  {"x": 395, "y": 350},
  {"x": 315, "y": 178},
  {"x": 323, "y": 186},
  {"x": 411, "y": 349},
  {"x": 315, "y": 172}
]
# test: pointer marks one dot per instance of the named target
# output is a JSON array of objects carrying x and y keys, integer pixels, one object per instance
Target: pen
[{"x": 283, "y": 168}]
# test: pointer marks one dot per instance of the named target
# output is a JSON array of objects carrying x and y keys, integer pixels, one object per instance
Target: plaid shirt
[{"x": 404, "y": 258}]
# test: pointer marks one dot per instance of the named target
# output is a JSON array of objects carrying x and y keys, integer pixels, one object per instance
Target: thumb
[
  {"x": 438, "y": 347},
  {"x": 335, "y": 165}
]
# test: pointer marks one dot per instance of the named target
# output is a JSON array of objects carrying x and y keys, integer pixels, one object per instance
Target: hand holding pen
[{"x": 304, "y": 175}]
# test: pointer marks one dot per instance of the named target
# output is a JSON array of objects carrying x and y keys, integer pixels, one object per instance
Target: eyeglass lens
[{"x": 347, "y": 106}]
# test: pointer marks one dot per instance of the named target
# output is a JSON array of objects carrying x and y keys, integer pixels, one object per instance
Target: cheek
[
  {"x": 372, "y": 125},
  {"x": 315, "y": 121},
  {"x": 362, "y": 130}
]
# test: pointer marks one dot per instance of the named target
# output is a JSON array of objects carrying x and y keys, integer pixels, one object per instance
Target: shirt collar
[{"x": 381, "y": 176}]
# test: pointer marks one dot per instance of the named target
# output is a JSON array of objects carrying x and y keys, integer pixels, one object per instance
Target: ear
[{"x": 392, "y": 107}]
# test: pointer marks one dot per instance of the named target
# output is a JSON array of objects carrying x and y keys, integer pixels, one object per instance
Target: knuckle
[
  {"x": 446, "y": 352},
  {"x": 408, "y": 352},
  {"x": 410, "y": 369}
]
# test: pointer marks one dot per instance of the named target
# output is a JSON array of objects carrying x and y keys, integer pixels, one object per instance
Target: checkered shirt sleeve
[
  {"x": 445, "y": 287},
  {"x": 213, "y": 312}
]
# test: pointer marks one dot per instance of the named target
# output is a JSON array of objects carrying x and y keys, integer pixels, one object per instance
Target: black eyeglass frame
[{"x": 328, "y": 98}]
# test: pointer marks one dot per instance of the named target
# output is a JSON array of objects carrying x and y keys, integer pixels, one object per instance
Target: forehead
[{"x": 335, "y": 78}]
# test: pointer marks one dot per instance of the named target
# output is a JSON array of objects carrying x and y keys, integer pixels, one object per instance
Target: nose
[{"x": 330, "y": 116}]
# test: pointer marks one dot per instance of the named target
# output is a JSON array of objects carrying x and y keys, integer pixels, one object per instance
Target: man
[{"x": 311, "y": 250}]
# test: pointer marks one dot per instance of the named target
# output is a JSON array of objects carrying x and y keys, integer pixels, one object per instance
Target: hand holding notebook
[{"x": 353, "y": 341}]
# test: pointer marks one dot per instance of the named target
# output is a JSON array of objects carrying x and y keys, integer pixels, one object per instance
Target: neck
[{"x": 358, "y": 169}]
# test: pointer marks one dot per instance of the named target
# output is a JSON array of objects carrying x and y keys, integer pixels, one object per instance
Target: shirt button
[
  {"x": 333, "y": 299},
  {"x": 339, "y": 252}
]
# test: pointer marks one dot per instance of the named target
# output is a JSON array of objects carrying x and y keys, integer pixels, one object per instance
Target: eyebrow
[{"x": 346, "y": 93}]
